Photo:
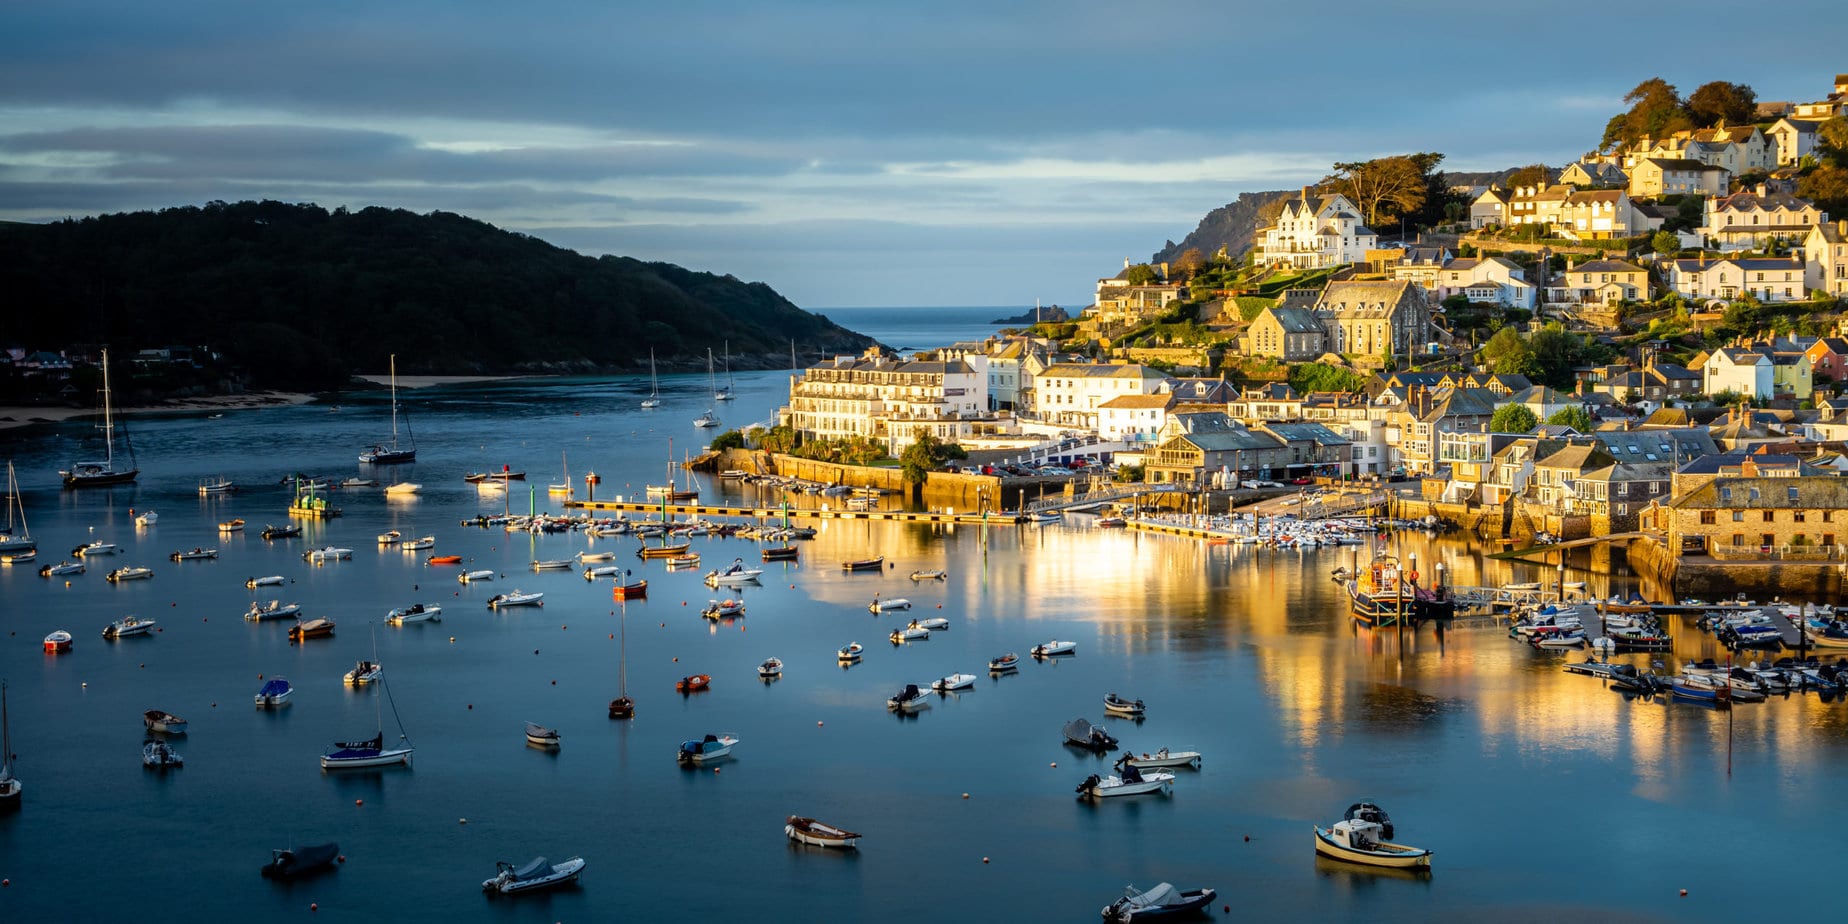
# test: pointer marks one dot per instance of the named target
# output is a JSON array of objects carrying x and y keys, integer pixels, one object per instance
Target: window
[
  {"x": 1828, "y": 538},
  {"x": 1738, "y": 539},
  {"x": 1770, "y": 516},
  {"x": 1828, "y": 516},
  {"x": 1797, "y": 517},
  {"x": 1708, "y": 517},
  {"x": 1738, "y": 516},
  {"x": 1790, "y": 493}
]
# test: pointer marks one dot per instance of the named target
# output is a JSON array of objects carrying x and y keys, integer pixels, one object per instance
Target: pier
[{"x": 992, "y": 518}]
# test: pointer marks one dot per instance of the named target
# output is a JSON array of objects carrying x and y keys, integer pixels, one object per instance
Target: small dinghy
[
  {"x": 953, "y": 682},
  {"x": 297, "y": 862},
  {"x": 1133, "y": 782},
  {"x": 683, "y": 562},
  {"x": 595, "y": 556},
  {"x": 474, "y": 577},
  {"x": 908, "y": 699},
  {"x": 1118, "y": 705},
  {"x": 932, "y": 574},
  {"x": 771, "y": 669},
  {"x": 313, "y": 628},
  {"x": 275, "y": 693},
  {"x": 159, "y": 755},
  {"x": 889, "y": 606},
  {"x": 387, "y": 538},
  {"x": 164, "y": 722},
  {"x": 1162, "y": 901},
  {"x": 197, "y": 554},
  {"x": 693, "y": 683},
  {"x": 540, "y": 735},
  {"x": 625, "y": 591},
  {"x": 1054, "y": 648},
  {"x": 1364, "y": 842},
  {"x": 285, "y": 531},
  {"x": 780, "y": 553},
  {"x": 147, "y": 519},
  {"x": 94, "y": 549},
  {"x": 603, "y": 571},
  {"x": 1007, "y": 662},
  {"x": 416, "y": 612},
  {"x": 363, "y": 673},
  {"x": 864, "y": 564},
  {"x": 128, "y": 626},
  {"x": 850, "y": 653},
  {"x": 417, "y": 545},
  {"x": 273, "y": 580},
  {"x": 275, "y": 609},
  {"x": 911, "y": 633},
  {"x": 535, "y": 876},
  {"x": 132, "y": 573},
  {"x": 231, "y": 526},
  {"x": 443, "y": 560},
  {"x": 1161, "y": 758},
  {"x": 711, "y": 747},
  {"x": 63, "y": 569},
  {"x": 58, "y": 642},
  {"x": 716, "y": 609},
  {"x": 934, "y": 624},
  {"x": 517, "y": 598},
  {"x": 818, "y": 834},
  {"x": 555, "y": 564},
  {"x": 1081, "y": 733}
]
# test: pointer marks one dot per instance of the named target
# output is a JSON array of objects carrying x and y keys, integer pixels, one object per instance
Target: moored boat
[
  {"x": 363, "y": 673},
  {"x": 663, "y": 551},
  {"x": 864, "y": 564},
  {"x": 517, "y": 598},
  {"x": 890, "y": 605},
  {"x": 159, "y": 755},
  {"x": 416, "y": 612},
  {"x": 63, "y": 569},
  {"x": 818, "y": 834},
  {"x": 443, "y": 560},
  {"x": 932, "y": 574},
  {"x": 780, "y": 553},
  {"x": 267, "y": 581},
  {"x": 692, "y": 683},
  {"x": 628, "y": 591},
  {"x": 159, "y": 720},
  {"x": 911, "y": 633},
  {"x": 18, "y": 558},
  {"x": 1132, "y": 782},
  {"x": 1054, "y": 648},
  {"x": 147, "y": 519},
  {"x": 418, "y": 544},
  {"x": 313, "y": 628},
  {"x": 908, "y": 699},
  {"x": 349, "y": 755},
  {"x": 286, "y": 531},
  {"x": 275, "y": 692},
  {"x": 94, "y": 549},
  {"x": 297, "y": 862},
  {"x": 1081, "y": 733},
  {"x": 1161, "y": 758},
  {"x": 953, "y": 682},
  {"x": 711, "y": 747},
  {"x": 1006, "y": 662},
  {"x": 58, "y": 642},
  {"x": 128, "y": 626},
  {"x": 553, "y": 564},
  {"x": 541, "y": 735},
  {"x": 197, "y": 554},
  {"x": 1359, "y": 841},
  {"x": 1122, "y": 705},
  {"x": 274, "y": 609},
  {"x": 1160, "y": 902},
  {"x": 849, "y": 653},
  {"x": 771, "y": 669},
  {"x": 231, "y": 526},
  {"x": 535, "y": 876},
  {"x": 131, "y": 573},
  {"x": 471, "y": 577}
]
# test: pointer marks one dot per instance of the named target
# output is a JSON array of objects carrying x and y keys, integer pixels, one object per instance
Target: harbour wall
[{"x": 1700, "y": 576}]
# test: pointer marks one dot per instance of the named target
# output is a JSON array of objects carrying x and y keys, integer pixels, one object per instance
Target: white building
[
  {"x": 1768, "y": 279},
  {"x": 1485, "y": 280},
  {"x": 1069, "y": 394},
  {"x": 1134, "y": 418},
  {"x": 890, "y": 400},
  {"x": 1738, "y": 370},
  {"x": 1314, "y": 232},
  {"x": 1825, "y": 255},
  {"x": 1746, "y": 220}
]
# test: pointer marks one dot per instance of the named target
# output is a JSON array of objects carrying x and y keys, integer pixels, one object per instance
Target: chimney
[
  {"x": 1126, "y": 263},
  {"x": 1305, "y": 194}
]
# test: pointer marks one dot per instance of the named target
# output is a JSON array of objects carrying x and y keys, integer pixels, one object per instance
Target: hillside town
[{"x": 1622, "y": 347}]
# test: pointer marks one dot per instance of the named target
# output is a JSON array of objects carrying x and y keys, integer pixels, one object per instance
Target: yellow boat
[{"x": 1357, "y": 841}]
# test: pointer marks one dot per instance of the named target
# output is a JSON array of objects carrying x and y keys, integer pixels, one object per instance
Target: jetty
[{"x": 986, "y": 517}]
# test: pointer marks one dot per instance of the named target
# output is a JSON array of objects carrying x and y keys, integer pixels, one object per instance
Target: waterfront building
[
  {"x": 1134, "y": 418},
  {"x": 1752, "y": 518},
  {"x": 1069, "y": 394},
  {"x": 1234, "y": 450},
  {"x": 890, "y": 400}
]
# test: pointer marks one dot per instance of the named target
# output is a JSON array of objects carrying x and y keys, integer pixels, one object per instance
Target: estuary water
[{"x": 1543, "y": 794}]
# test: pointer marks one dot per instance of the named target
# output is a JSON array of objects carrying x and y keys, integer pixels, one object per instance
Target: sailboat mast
[
  {"x": 108, "y": 420},
  {"x": 394, "y": 401}
]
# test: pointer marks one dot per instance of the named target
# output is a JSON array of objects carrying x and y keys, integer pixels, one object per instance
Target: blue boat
[{"x": 275, "y": 693}]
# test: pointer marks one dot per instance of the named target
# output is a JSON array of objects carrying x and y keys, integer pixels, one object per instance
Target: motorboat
[
  {"x": 1120, "y": 705},
  {"x": 771, "y": 669},
  {"x": 416, "y": 612},
  {"x": 602, "y": 571},
  {"x": 693, "y": 683},
  {"x": 128, "y": 626},
  {"x": 780, "y": 553},
  {"x": 1160, "y": 902},
  {"x": 553, "y": 564},
  {"x": 932, "y": 574},
  {"x": 517, "y": 598},
  {"x": 390, "y": 536},
  {"x": 1006, "y": 662},
  {"x": 953, "y": 682},
  {"x": 327, "y": 554},
  {"x": 1133, "y": 782},
  {"x": 850, "y": 653},
  {"x": 888, "y": 606},
  {"x": 471, "y": 577},
  {"x": 418, "y": 544},
  {"x": 147, "y": 519},
  {"x": 711, "y": 747},
  {"x": 131, "y": 573},
  {"x": 197, "y": 554},
  {"x": 1368, "y": 811},
  {"x": 159, "y": 755},
  {"x": 231, "y": 526},
  {"x": 313, "y": 628},
  {"x": 297, "y": 862},
  {"x": 358, "y": 482},
  {"x": 402, "y": 489},
  {"x": 274, "y": 609},
  {"x": 1572, "y": 638},
  {"x": 94, "y": 549},
  {"x": 540, "y": 735},
  {"x": 1082, "y": 733},
  {"x": 716, "y": 609},
  {"x": 584, "y": 557},
  {"x": 285, "y": 531},
  {"x": 275, "y": 693},
  {"x": 267, "y": 581},
  {"x": 1054, "y": 648},
  {"x": 818, "y": 834},
  {"x": 363, "y": 673},
  {"x": 908, "y": 699},
  {"x": 18, "y": 558},
  {"x": 58, "y": 642},
  {"x": 1111, "y": 523},
  {"x": 1161, "y": 758},
  {"x": 864, "y": 564},
  {"x": 629, "y": 591},
  {"x": 706, "y": 420},
  {"x": 911, "y": 633},
  {"x": 166, "y": 723},
  {"x": 1356, "y": 840},
  {"x": 63, "y": 569},
  {"x": 934, "y": 624},
  {"x": 535, "y": 876},
  {"x": 443, "y": 560},
  {"x": 348, "y": 755}
]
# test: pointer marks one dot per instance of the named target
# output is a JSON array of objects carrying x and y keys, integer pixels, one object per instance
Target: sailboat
[
  {"x": 654, "y": 383},
  {"x": 562, "y": 489},
  {"x": 371, "y": 752},
  {"x": 379, "y": 455},
  {"x": 12, "y": 541},
  {"x": 10, "y": 787},
  {"x": 725, "y": 394},
  {"x": 709, "y": 419},
  {"x": 622, "y": 707},
  {"x": 98, "y": 474}
]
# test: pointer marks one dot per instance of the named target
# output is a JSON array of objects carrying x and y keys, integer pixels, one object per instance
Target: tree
[
  {"x": 1666, "y": 242},
  {"x": 1735, "y": 103},
  {"x": 780, "y": 438},
  {"x": 926, "y": 455},
  {"x": 1574, "y": 417},
  {"x": 1531, "y": 175},
  {"x": 1188, "y": 264},
  {"x": 1385, "y": 188},
  {"x": 1827, "y": 186},
  {"x": 730, "y": 439},
  {"x": 1140, "y": 275},
  {"x": 1655, "y": 111},
  {"x": 1507, "y": 353},
  {"x": 1556, "y": 350},
  {"x": 1512, "y": 418}
]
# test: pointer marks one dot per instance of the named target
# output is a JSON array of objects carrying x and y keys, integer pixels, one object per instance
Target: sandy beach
[{"x": 11, "y": 417}]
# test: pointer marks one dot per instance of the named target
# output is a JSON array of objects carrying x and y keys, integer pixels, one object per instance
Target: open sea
[{"x": 1544, "y": 795}]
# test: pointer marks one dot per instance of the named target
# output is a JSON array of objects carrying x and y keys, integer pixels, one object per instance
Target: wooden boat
[
  {"x": 231, "y": 526},
  {"x": 1133, "y": 782},
  {"x": 1113, "y": 523},
  {"x": 58, "y": 642},
  {"x": 1162, "y": 758},
  {"x": 535, "y": 876},
  {"x": 472, "y": 577},
  {"x": 683, "y": 562},
  {"x": 1081, "y": 733},
  {"x": 850, "y": 653},
  {"x": 663, "y": 551},
  {"x": 132, "y": 573},
  {"x": 864, "y": 564},
  {"x": 693, "y": 683},
  {"x": 541, "y": 735},
  {"x": 818, "y": 834},
  {"x": 1160, "y": 902},
  {"x": 443, "y": 560},
  {"x": 503, "y": 476},
  {"x": 1053, "y": 649},
  {"x": 313, "y": 628},
  {"x": 158, "y": 720},
  {"x": 933, "y": 574},
  {"x": 1119, "y": 705},
  {"x": 416, "y": 612},
  {"x": 363, "y": 673},
  {"x": 159, "y": 755},
  {"x": 63, "y": 569},
  {"x": 128, "y": 626},
  {"x": 584, "y": 557},
  {"x": 711, "y": 747},
  {"x": 275, "y": 692},
  {"x": 953, "y": 682},
  {"x": 390, "y": 536},
  {"x": 297, "y": 862},
  {"x": 1004, "y": 663},
  {"x": 197, "y": 554},
  {"x": 633, "y": 591},
  {"x": 780, "y": 553},
  {"x": 517, "y": 598},
  {"x": 286, "y": 531},
  {"x": 274, "y": 609},
  {"x": 417, "y": 545},
  {"x": 908, "y": 699},
  {"x": 1360, "y": 841},
  {"x": 771, "y": 669},
  {"x": 890, "y": 605}
]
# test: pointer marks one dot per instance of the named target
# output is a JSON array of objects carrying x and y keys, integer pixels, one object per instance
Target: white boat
[
  {"x": 390, "y": 536},
  {"x": 562, "y": 488},
  {"x": 417, "y": 545},
  {"x": 734, "y": 573},
  {"x": 1118, "y": 705},
  {"x": 771, "y": 669},
  {"x": 93, "y": 549},
  {"x": 471, "y": 577},
  {"x": 394, "y": 454},
  {"x": 1004, "y": 663},
  {"x": 275, "y": 692},
  {"x": 711, "y": 747},
  {"x": 231, "y": 526},
  {"x": 128, "y": 626},
  {"x": 554, "y": 564},
  {"x": 18, "y": 558},
  {"x": 818, "y": 834},
  {"x": 363, "y": 673},
  {"x": 909, "y": 634},
  {"x": 1055, "y": 647},
  {"x": 654, "y": 384},
  {"x": 584, "y": 557},
  {"x": 10, "y": 786},
  {"x": 358, "y": 482},
  {"x": 416, "y": 612},
  {"x": 517, "y": 598},
  {"x": 1358, "y": 841},
  {"x": 58, "y": 642},
  {"x": 274, "y": 609},
  {"x": 909, "y": 699},
  {"x": 1163, "y": 758},
  {"x": 603, "y": 571},
  {"x": 1163, "y": 901},
  {"x": 216, "y": 485},
  {"x": 327, "y": 554},
  {"x": 1133, "y": 782},
  {"x": 131, "y": 573},
  {"x": 887, "y": 606},
  {"x": 147, "y": 519},
  {"x": 723, "y": 608},
  {"x": 541, "y": 735},
  {"x": 850, "y": 653},
  {"x": 402, "y": 489},
  {"x": 953, "y": 682},
  {"x": 348, "y": 755},
  {"x": 159, "y": 755},
  {"x": 934, "y": 624},
  {"x": 706, "y": 420},
  {"x": 15, "y": 538},
  {"x": 932, "y": 574},
  {"x": 535, "y": 876},
  {"x": 63, "y": 569},
  {"x": 723, "y": 394},
  {"x": 197, "y": 554}
]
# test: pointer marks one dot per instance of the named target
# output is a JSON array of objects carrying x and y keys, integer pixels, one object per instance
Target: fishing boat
[
  {"x": 932, "y": 574},
  {"x": 58, "y": 642},
  {"x": 771, "y": 669},
  {"x": 394, "y": 454},
  {"x": 363, "y": 673},
  {"x": 540, "y": 735},
  {"x": 692, "y": 683},
  {"x": 95, "y": 549},
  {"x": 535, "y": 876},
  {"x": 63, "y": 568},
  {"x": 298, "y": 862},
  {"x": 313, "y": 628},
  {"x": 10, "y": 786},
  {"x": 1132, "y": 782},
  {"x": 1359, "y": 841},
  {"x": 716, "y": 609},
  {"x": 231, "y": 526},
  {"x": 1368, "y": 811},
  {"x": 911, "y": 633},
  {"x": 889, "y": 605},
  {"x": 285, "y": 531},
  {"x": 864, "y": 564},
  {"x": 275, "y": 692},
  {"x": 128, "y": 626},
  {"x": 953, "y": 682},
  {"x": 1387, "y": 593},
  {"x": 197, "y": 554},
  {"x": 159, "y": 720},
  {"x": 416, "y": 612},
  {"x": 1120, "y": 705},
  {"x": 310, "y": 504},
  {"x": 372, "y": 752},
  {"x": 624, "y": 590},
  {"x": 105, "y": 472},
  {"x": 1161, "y": 758},
  {"x": 1081, "y": 733},
  {"x": 908, "y": 699},
  {"x": 130, "y": 573},
  {"x": 818, "y": 834},
  {"x": 147, "y": 519},
  {"x": 850, "y": 653},
  {"x": 417, "y": 545},
  {"x": 780, "y": 553},
  {"x": 654, "y": 384},
  {"x": 711, "y": 747},
  {"x": 1004, "y": 663},
  {"x": 15, "y": 539},
  {"x": 1160, "y": 902},
  {"x": 1053, "y": 648},
  {"x": 159, "y": 755},
  {"x": 474, "y": 577},
  {"x": 517, "y": 598}
]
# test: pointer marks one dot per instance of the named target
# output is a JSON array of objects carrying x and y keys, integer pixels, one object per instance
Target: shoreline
[
  {"x": 428, "y": 381},
  {"x": 16, "y": 417}
]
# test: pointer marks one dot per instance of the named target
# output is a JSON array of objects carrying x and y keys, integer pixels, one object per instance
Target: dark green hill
[{"x": 300, "y": 297}]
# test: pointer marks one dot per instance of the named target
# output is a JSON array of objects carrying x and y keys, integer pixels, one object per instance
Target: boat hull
[
  {"x": 1395, "y": 857},
  {"x": 343, "y": 760}
]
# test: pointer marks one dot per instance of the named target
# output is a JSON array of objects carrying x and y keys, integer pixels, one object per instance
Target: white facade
[
  {"x": 1134, "y": 418},
  {"x": 1766, "y": 279},
  {"x": 1825, "y": 255},
  {"x": 1746, "y": 220},
  {"x": 1489, "y": 280},
  {"x": 1743, "y": 372},
  {"x": 892, "y": 401},
  {"x": 1069, "y": 394},
  {"x": 1314, "y": 232}
]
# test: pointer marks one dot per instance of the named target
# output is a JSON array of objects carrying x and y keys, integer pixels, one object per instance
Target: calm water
[{"x": 1540, "y": 792}]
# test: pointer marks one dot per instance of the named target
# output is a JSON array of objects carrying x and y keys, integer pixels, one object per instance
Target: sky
[{"x": 847, "y": 153}]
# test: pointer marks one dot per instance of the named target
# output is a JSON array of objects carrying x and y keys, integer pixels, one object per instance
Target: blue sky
[{"x": 846, "y": 153}]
